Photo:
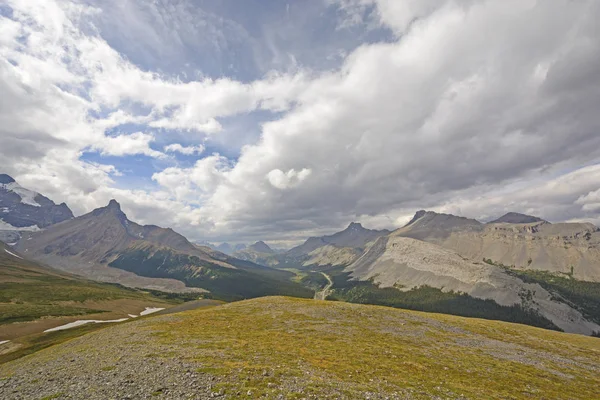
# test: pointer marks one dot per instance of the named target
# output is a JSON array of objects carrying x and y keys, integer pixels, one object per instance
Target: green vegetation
[
  {"x": 29, "y": 292},
  {"x": 305, "y": 349},
  {"x": 584, "y": 296},
  {"x": 247, "y": 280},
  {"x": 39, "y": 341},
  {"x": 314, "y": 280},
  {"x": 10, "y": 313},
  {"x": 581, "y": 295},
  {"x": 430, "y": 299}
]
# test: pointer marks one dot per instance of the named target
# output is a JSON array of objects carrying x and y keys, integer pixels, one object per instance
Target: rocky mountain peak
[
  {"x": 6, "y": 179},
  {"x": 114, "y": 208},
  {"x": 22, "y": 209},
  {"x": 113, "y": 205},
  {"x": 355, "y": 226},
  {"x": 261, "y": 247},
  {"x": 418, "y": 215},
  {"x": 516, "y": 218}
]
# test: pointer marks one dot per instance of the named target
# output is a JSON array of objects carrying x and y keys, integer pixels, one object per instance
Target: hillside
[
  {"x": 537, "y": 245},
  {"x": 291, "y": 348},
  {"x": 409, "y": 263},
  {"x": 34, "y": 298},
  {"x": 105, "y": 245}
]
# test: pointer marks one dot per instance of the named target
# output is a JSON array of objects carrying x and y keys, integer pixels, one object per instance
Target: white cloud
[
  {"x": 187, "y": 150},
  {"x": 284, "y": 180},
  {"x": 468, "y": 109},
  {"x": 122, "y": 145}
]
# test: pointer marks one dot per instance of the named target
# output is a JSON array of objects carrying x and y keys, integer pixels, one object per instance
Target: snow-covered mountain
[{"x": 22, "y": 209}]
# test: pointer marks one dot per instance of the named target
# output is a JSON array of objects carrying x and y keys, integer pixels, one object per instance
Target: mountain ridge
[
  {"x": 22, "y": 209},
  {"x": 397, "y": 260},
  {"x": 104, "y": 245},
  {"x": 540, "y": 245}
]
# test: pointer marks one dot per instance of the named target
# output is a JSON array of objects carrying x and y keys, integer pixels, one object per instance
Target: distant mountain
[
  {"x": 354, "y": 236},
  {"x": 228, "y": 249},
  {"x": 337, "y": 249},
  {"x": 261, "y": 247},
  {"x": 259, "y": 253},
  {"x": 395, "y": 261},
  {"x": 516, "y": 218},
  {"x": 104, "y": 243},
  {"x": 537, "y": 245},
  {"x": 429, "y": 224},
  {"x": 24, "y": 210}
]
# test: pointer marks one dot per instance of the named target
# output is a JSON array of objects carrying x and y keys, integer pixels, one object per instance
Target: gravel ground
[
  {"x": 134, "y": 366},
  {"x": 157, "y": 357}
]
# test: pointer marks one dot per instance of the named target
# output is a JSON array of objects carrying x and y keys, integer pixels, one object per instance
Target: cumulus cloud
[
  {"x": 187, "y": 150},
  {"x": 470, "y": 107},
  {"x": 122, "y": 145},
  {"x": 284, "y": 180}
]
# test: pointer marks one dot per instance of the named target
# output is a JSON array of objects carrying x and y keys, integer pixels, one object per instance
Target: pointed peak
[
  {"x": 418, "y": 215},
  {"x": 261, "y": 247},
  {"x": 114, "y": 205},
  {"x": 355, "y": 225}
]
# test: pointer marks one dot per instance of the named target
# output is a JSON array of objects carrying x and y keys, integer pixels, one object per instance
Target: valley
[{"x": 357, "y": 313}]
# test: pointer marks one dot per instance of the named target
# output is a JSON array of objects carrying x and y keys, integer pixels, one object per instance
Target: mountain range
[
  {"x": 539, "y": 245},
  {"x": 105, "y": 245},
  {"x": 439, "y": 256},
  {"x": 339, "y": 248}
]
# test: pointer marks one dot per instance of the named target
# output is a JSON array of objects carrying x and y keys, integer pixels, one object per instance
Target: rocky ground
[{"x": 283, "y": 348}]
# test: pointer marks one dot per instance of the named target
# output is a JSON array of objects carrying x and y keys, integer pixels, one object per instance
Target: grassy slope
[
  {"x": 304, "y": 348},
  {"x": 29, "y": 291}
]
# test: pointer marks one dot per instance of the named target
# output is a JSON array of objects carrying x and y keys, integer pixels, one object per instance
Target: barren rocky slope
[
  {"x": 406, "y": 262},
  {"x": 282, "y": 348},
  {"x": 538, "y": 245}
]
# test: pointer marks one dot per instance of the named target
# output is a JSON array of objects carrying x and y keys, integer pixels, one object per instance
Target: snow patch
[
  {"x": 5, "y": 226},
  {"x": 13, "y": 254},
  {"x": 4, "y": 341},
  {"x": 27, "y": 196},
  {"x": 132, "y": 316},
  {"x": 83, "y": 322},
  {"x": 151, "y": 310}
]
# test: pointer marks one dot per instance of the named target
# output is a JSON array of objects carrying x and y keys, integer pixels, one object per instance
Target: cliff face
[
  {"x": 395, "y": 260},
  {"x": 537, "y": 245}
]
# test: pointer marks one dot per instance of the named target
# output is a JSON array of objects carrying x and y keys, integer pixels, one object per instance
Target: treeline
[
  {"x": 314, "y": 280},
  {"x": 429, "y": 299},
  {"x": 584, "y": 296},
  {"x": 227, "y": 284},
  {"x": 581, "y": 295}
]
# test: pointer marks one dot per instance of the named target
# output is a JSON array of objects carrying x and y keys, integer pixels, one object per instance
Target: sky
[{"x": 264, "y": 120}]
